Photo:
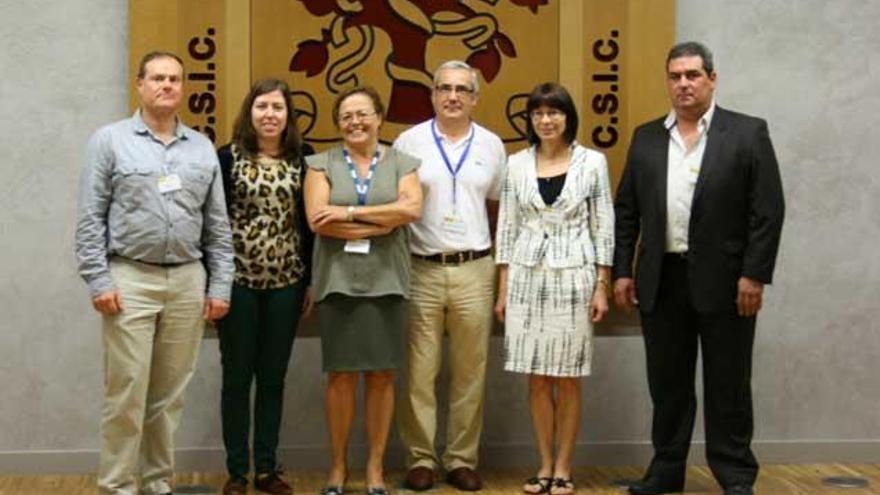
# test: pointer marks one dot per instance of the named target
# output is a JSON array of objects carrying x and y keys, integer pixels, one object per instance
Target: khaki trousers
[
  {"x": 456, "y": 300},
  {"x": 150, "y": 353}
]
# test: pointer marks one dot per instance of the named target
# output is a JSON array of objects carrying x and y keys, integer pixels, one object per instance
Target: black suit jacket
[{"x": 736, "y": 214}]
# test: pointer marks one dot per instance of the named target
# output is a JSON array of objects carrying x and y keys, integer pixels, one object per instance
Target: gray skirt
[{"x": 361, "y": 333}]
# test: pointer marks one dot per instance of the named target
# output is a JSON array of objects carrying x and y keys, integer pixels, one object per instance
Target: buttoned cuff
[
  {"x": 100, "y": 285},
  {"x": 220, "y": 291}
]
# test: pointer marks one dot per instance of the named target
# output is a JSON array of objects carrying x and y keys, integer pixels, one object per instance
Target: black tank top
[{"x": 550, "y": 187}]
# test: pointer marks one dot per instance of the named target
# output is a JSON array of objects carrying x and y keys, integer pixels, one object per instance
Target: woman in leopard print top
[{"x": 263, "y": 173}]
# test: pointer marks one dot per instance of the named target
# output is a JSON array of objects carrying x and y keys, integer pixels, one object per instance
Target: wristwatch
[{"x": 350, "y": 217}]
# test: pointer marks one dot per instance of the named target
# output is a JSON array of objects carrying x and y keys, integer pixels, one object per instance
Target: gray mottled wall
[{"x": 809, "y": 66}]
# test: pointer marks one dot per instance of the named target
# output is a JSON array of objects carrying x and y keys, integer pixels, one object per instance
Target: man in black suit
[{"x": 702, "y": 187}]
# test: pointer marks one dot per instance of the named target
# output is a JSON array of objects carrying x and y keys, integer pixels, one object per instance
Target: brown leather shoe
[
  {"x": 272, "y": 483},
  {"x": 465, "y": 479},
  {"x": 235, "y": 486},
  {"x": 419, "y": 479}
]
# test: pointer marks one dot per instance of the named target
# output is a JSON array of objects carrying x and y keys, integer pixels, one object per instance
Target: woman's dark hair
[
  {"x": 554, "y": 96},
  {"x": 245, "y": 136},
  {"x": 371, "y": 93}
]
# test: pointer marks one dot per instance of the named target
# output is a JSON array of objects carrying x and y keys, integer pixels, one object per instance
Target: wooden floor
[{"x": 774, "y": 480}]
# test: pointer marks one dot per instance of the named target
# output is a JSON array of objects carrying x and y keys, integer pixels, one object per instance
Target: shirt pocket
[
  {"x": 196, "y": 180},
  {"x": 134, "y": 186}
]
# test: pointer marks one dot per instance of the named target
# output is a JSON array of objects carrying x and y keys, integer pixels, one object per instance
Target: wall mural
[
  {"x": 395, "y": 45},
  {"x": 609, "y": 54}
]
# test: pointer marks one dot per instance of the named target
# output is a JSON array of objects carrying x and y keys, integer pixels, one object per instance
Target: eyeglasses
[
  {"x": 551, "y": 114},
  {"x": 360, "y": 115},
  {"x": 447, "y": 89}
]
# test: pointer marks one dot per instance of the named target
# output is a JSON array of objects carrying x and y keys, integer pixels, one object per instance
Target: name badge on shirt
[
  {"x": 169, "y": 183},
  {"x": 359, "y": 246},
  {"x": 693, "y": 175},
  {"x": 552, "y": 217},
  {"x": 453, "y": 224}
]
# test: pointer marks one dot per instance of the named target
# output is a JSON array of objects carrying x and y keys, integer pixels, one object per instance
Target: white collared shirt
[
  {"x": 479, "y": 179},
  {"x": 681, "y": 179}
]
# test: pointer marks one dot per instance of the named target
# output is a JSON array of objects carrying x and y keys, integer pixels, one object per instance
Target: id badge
[
  {"x": 453, "y": 224},
  {"x": 693, "y": 175},
  {"x": 551, "y": 216},
  {"x": 169, "y": 183},
  {"x": 359, "y": 246}
]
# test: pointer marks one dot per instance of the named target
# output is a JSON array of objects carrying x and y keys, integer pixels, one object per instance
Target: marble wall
[{"x": 809, "y": 66}]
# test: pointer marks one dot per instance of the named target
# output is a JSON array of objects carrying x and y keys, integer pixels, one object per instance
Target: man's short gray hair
[{"x": 458, "y": 65}]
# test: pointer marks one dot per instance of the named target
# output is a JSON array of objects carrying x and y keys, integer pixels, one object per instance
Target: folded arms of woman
[{"x": 359, "y": 222}]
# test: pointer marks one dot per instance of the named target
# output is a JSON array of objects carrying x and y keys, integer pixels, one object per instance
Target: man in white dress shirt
[{"x": 452, "y": 279}]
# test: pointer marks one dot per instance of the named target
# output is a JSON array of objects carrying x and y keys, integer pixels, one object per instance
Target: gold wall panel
[
  {"x": 625, "y": 46},
  {"x": 212, "y": 37}
]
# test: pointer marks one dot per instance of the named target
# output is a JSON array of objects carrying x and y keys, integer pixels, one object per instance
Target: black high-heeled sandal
[
  {"x": 566, "y": 484},
  {"x": 542, "y": 482}
]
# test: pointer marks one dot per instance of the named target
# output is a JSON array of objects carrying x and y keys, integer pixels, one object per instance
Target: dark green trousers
[{"x": 256, "y": 338}]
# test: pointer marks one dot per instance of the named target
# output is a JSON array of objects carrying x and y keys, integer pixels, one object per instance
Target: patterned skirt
[{"x": 547, "y": 329}]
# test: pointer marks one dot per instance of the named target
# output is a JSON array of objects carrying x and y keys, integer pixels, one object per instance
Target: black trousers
[
  {"x": 256, "y": 339},
  {"x": 674, "y": 333}
]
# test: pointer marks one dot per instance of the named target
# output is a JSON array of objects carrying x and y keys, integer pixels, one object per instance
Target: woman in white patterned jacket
[{"x": 555, "y": 243}]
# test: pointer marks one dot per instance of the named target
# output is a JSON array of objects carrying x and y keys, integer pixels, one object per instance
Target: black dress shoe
[
  {"x": 739, "y": 490},
  {"x": 655, "y": 486}
]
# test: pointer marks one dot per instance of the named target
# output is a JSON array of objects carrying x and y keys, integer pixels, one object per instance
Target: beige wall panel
[
  {"x": 625, "y": 46},
  {"x": 199, "y": 31},
  {"x": 152, "y": 26},
  {"x": 235, "y": 77},
  {"x": 651, "y": 35},
  {"x": 323, "y": 47},
  {"x": 572, "y": 61}
]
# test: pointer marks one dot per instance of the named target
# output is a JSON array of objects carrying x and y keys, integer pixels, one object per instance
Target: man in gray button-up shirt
[{"x": 151, "y": 211}]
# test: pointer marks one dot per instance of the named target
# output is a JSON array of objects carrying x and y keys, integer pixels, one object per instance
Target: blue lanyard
[
  {"x": 464, "y": 155},
  {"x": 361, "y": 186}
]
